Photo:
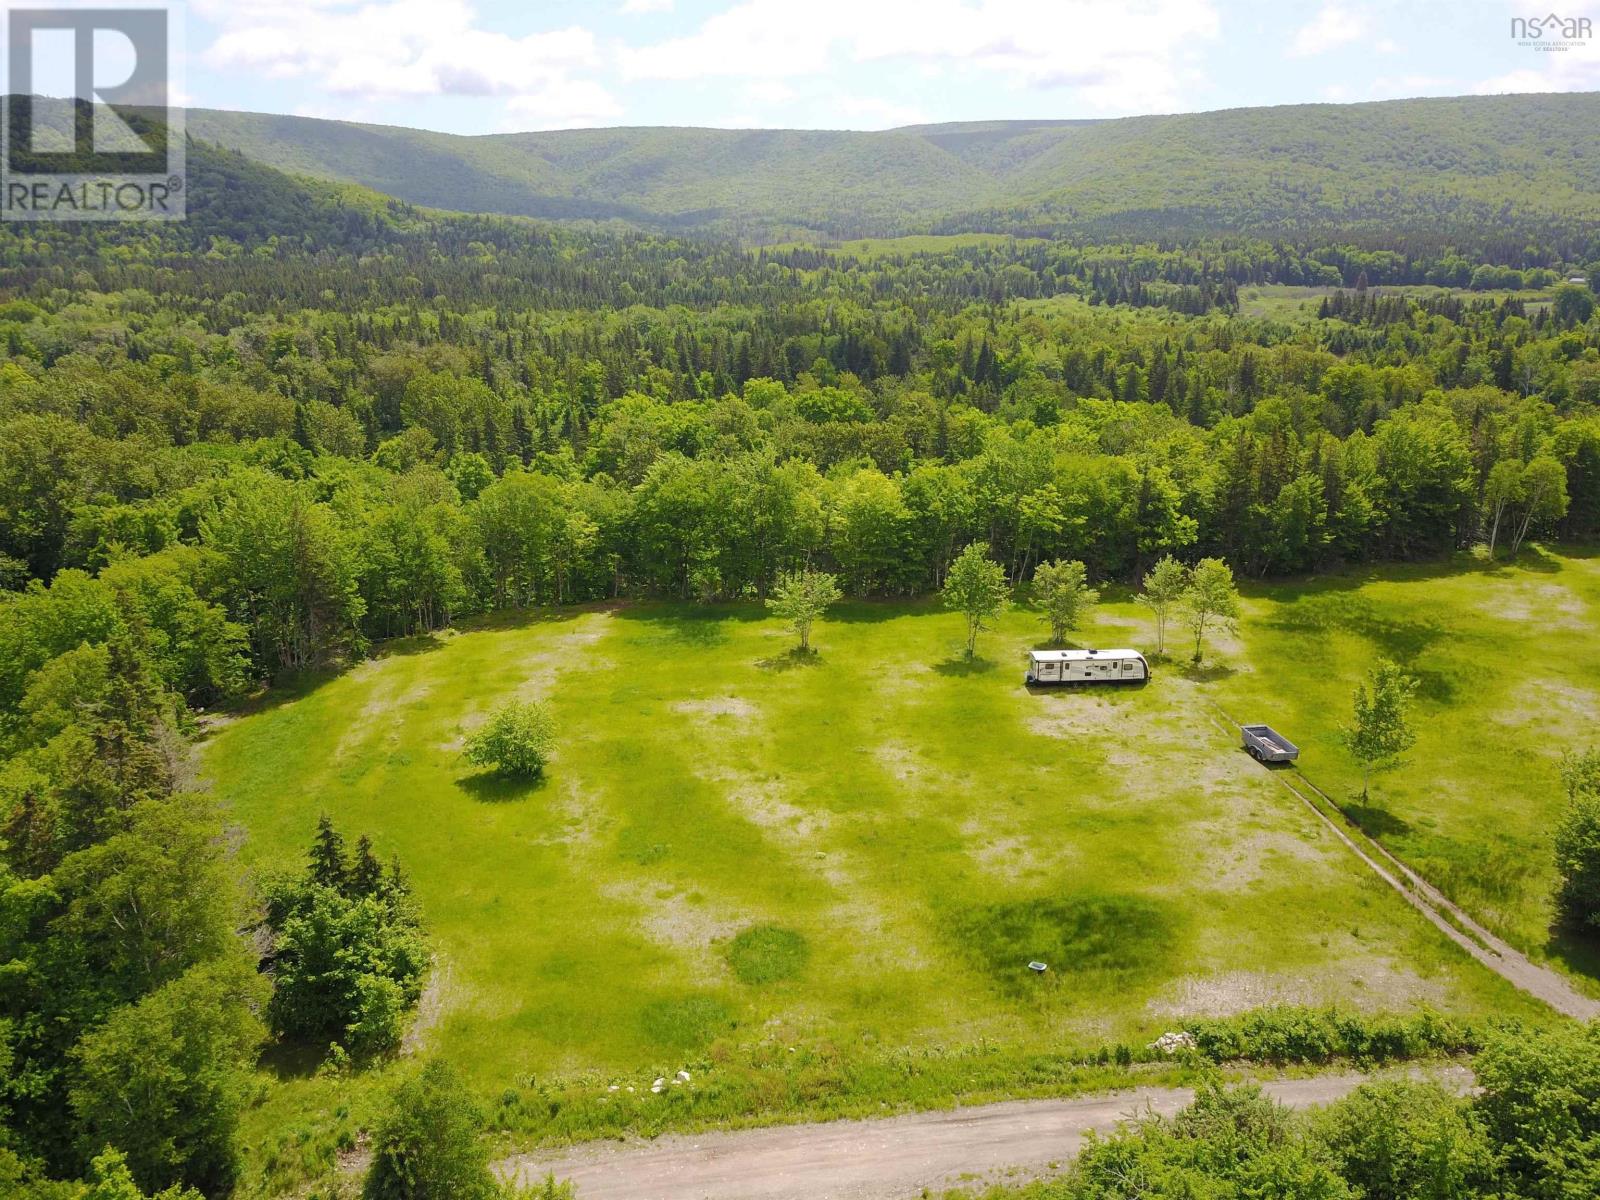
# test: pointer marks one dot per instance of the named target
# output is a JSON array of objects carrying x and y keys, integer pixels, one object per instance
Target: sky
[{"x": 489, "y": 66}]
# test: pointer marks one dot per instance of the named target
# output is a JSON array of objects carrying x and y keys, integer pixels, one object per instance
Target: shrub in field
[
  {"x": 1228, "y": 1143},
  {"x": 427, "y": 1145},
  {"x": 1407, "y": 1139},
  {"x": 517, "y": 740},
  {"x": 1293, "y": 1034}
]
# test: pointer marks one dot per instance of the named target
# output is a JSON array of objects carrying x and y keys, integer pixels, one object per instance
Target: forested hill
[{"x": 1458, "y": 166}]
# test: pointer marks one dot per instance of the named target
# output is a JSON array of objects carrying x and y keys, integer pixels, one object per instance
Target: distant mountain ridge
[{"x": 1435, "y": 165}]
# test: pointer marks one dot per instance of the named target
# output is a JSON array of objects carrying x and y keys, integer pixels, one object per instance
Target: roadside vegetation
[{"x": 1528, "y": 1134}]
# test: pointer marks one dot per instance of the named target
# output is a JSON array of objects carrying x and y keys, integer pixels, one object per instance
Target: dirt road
[{"x": 880, "y": 1159}]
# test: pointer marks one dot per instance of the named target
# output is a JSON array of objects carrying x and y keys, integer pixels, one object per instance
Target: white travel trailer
[{"x": 1086, "y": 666}]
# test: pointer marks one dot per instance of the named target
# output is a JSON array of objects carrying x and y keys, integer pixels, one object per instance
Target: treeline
[
  {"x": 328, "y": 478},
  {"x": 130, "y": 1003},
  {"x": 140, "y": 973}
]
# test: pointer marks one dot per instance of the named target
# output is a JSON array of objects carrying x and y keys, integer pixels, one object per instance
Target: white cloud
[
  {"x": 873, "y": 112},
  {"x": 564, "y": 104},
  {"x": 1336, "y": 24},
  {"x": 635, "y": 7},
  {"x": 769, "y": 91},
  {"x": 1397, "y": 87},
  {"x": 1116, "y": 55},
  {"x": 409, "y": 48}
]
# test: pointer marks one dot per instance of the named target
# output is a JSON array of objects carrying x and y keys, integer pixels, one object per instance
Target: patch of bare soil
[
  {"x": 1546, "y": 605},
  {"x": 1241, "y": 863},
  {"x": 1556, "y": 707},
  {"x": 1369, "y": 983},
  {"x": 567, "y": 650},
  {"x": 438, "y": 997},
  {"x": 675, "y": 919},
  {"x": 718, "y": 707}
]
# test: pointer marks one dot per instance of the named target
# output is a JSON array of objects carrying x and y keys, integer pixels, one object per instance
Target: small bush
[
  {"x": 767, "y": 954},
  {"x": 517, "y": 740},
  {"x": 427, "y": 1146}
]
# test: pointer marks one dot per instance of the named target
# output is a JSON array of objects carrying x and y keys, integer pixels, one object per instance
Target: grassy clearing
[
  {"x": 1290, "y": 302},
  {"x": 923, "y": 243},
  {"x": 817, "y": 882},
  {"x": 1510, "y": 668}
]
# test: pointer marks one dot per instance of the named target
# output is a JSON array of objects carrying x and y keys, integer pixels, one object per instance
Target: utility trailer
[
  {"x": 1085, "y": 666},
  {"x": 1267, "y": 745}
]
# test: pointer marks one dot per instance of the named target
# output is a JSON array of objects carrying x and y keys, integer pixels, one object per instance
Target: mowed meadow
[
  {"x": 740, "y": 848},
  {"x": 1508, "y": 664}
]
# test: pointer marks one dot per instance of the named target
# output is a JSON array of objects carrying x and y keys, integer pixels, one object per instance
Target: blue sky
[{"x": 483, "y": 66}]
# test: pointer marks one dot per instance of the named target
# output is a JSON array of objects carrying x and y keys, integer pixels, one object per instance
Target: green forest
[{"x": 313, "y": 418}]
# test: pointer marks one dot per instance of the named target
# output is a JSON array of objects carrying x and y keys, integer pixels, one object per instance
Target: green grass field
[
  {"x": 740, "y": 854},
  {"x": 1509, "y": 663},
  {"x": 917, "y": 243}
]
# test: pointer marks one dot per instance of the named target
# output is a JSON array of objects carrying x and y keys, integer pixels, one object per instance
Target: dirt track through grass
[{"x": 885, "y": 1159}]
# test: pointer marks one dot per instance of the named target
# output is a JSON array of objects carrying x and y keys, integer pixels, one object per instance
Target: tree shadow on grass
[
  {"x": 791, "y": 659},
  {"x": 859, "y": 612},
  {"x": 1207, "y": 672},
  {"x": 962, "y": 666},
  {"x": 495, "y": 787},
  {"x": 291, "y": 1060},
  {"x": 520, "y": 618},
  {"x": 1577, "y": 951},
  {"x": 408, "y": 647},
  {"x": 1373, "y": 820},
  {"x": 701, "y": 626},
  {"x": 1534, "y": 558}
]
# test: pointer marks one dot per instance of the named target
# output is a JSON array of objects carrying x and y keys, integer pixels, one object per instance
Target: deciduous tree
[
  {"x": 1210, "y": 601},
  {"x": 975, "y": 587},
  {"x": 1164, "y": 586},
  {"x": 1380, "y": 728},
  {"x": 1064, "y": 595},
  {"x": 801, "y": 598}
]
